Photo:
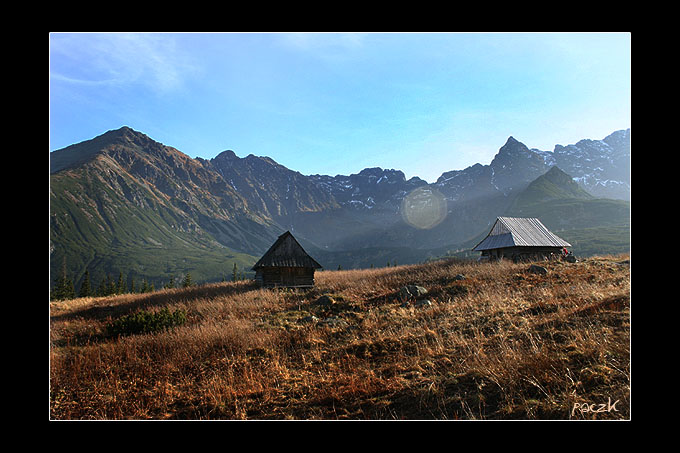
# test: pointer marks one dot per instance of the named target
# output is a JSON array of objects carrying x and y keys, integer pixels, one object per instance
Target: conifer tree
[
  {"x": 110, "y": 286},
  {"x": 234, "y": 276},
  {"x": 101, "y": 289},
  {"x": 187, "y": 281},
  {"x": 121, "y": 284},
  {"x": 63, "y": 288},
  {"x": 69, "y": 289},
  {"x": 85, "y": 289}
]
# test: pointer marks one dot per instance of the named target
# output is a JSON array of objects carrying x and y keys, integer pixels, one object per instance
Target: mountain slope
[
  {"x": 592, "y": 225},
  {"x": 123, "y": 202},
  {"x": 553, "y": 185},
  {"x": 270, "y": 188},
  {"x": 602, "y": 167},
  {"x": 560, "y": 204},
  {"x": 128, "y": 204},
  {"x": 484, "y": 347}
]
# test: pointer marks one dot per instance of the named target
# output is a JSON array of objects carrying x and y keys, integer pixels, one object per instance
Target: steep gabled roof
[
  {"x": 286, "y": 252},
  {"x": 519, "y": 232}
]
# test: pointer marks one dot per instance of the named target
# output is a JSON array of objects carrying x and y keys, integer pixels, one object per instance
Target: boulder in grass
[
  {"x": 324, "y": 301},
  {"x": 308, "y": 319},
  {"x": 535, "y": 269},
  {"x": 411, "y": 292},
  {"x": 333, "y": 321}
]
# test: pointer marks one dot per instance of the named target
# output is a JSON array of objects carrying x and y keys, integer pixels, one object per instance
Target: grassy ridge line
[{"x": 500, "y": 344}]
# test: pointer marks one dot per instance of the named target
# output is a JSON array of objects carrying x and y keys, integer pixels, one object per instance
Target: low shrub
[{"x": 146, "y": 322}]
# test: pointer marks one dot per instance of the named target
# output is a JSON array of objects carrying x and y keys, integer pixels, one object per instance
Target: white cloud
[{"x": 119, "y": 59}]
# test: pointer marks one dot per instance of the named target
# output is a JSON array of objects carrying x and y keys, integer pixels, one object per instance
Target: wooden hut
[
  {"x": 520, "y": 239},
  {"x": 286, "y": 264}
]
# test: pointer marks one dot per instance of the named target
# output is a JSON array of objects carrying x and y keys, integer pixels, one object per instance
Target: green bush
[{"x": 146, "y": 322}]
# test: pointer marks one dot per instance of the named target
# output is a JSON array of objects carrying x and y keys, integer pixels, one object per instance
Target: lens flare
[{"x": 423, "y": 208}]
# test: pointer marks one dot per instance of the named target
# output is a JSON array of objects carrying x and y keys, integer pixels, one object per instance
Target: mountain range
[{"x": 123, "y": 203}]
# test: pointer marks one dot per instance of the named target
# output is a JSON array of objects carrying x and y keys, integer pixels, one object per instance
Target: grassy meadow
[{"x": 499, "y": 343}]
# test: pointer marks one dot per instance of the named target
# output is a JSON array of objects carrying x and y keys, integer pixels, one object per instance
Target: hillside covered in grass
[{"x": 486, "y": 341}]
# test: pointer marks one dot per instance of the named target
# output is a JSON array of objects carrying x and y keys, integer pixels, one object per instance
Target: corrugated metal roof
[
  {"x": 497, "y": 241},
  {"x": 519, "y": 232},
  {"x": 286, "y": 252}
]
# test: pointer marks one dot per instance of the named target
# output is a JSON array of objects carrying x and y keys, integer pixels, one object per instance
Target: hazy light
[{"x": 424, "y": 208}]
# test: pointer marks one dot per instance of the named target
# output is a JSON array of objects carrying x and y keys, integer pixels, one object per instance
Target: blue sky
[{"x": 335, "y": 103}]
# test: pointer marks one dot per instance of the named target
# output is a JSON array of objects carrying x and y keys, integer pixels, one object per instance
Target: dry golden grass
[{"x": 501, "y": 344}]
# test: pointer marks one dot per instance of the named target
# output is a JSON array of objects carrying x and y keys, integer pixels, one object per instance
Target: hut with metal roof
[
  {"x": 286, "y": 264},
  {"x": 520, "y": 238}
]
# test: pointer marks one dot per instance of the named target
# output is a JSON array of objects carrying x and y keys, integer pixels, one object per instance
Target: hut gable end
[
  {"x": 286, "y": 252},
  {"x": 286, "y": 264}
]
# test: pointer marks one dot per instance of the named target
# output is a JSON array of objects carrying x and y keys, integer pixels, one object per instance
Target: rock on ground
[{"x": 411, "y": 292}]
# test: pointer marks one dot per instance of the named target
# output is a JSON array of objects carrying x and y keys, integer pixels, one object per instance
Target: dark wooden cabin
[
  {"x": 520, "y": 239},
  {"x": 286, "y": 264}
]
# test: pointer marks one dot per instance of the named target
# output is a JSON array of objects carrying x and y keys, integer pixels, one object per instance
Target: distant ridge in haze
[{"x": 554, "y": 184}]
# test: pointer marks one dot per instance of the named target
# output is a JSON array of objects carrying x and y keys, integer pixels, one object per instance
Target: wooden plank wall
[{"x": 285, "y": 276}]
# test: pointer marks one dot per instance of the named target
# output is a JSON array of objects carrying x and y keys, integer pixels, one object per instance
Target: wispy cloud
[
  {"x": 119, "y": 59},
  {"x": 328, "y": 47},
  {"x": 322, "y": 41}
]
